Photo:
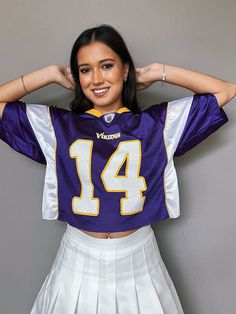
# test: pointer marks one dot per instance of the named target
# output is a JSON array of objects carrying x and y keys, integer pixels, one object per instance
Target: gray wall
[{"x": 199, "y": 247}]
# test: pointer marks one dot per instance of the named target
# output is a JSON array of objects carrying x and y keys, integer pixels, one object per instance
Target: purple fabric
[
  {"x": 17, "y": 132},
  {"x": 205, "y": 117}
]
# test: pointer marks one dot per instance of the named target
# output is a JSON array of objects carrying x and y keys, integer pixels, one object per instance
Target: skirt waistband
[{"x": 138, "y": 237}]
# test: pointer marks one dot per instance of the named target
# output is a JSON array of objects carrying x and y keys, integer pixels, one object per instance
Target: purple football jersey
[{"x": 110, "y": 172}]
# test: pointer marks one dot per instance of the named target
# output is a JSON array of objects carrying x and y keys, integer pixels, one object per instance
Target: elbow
[{"x": 226, "y": 95}]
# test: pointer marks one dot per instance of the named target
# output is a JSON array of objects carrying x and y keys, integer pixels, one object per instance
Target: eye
[
  {"x": 108, "y": 65},
  {"x": 84, "y": 70}
]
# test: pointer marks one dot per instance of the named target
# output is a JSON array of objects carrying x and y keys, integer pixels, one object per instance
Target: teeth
[{"x": 99, "y": 91}]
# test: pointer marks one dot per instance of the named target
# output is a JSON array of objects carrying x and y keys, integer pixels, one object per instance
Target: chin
[{"x": 103, "y": 103}]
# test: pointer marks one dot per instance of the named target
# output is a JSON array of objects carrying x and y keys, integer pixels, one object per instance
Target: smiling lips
[{"x": 100, "y": 92}]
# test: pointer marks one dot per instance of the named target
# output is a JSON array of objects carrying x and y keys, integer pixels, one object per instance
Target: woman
[{"x": 110, "y": 171}]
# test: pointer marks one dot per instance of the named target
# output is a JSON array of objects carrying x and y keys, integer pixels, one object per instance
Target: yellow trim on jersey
[
  {"x": 97, "y": 113},
  {"x": 122, "y": 109}
]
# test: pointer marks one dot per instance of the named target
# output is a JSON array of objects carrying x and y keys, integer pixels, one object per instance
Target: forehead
[{"x": 94, "y": 52}]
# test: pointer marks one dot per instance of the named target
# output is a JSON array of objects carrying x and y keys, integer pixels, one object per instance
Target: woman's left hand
[{"x": 146, "y": 76}]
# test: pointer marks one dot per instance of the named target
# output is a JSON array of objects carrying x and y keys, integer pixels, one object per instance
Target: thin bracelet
[
  {"x": 24, "y": 84},
  {"x": 163, "y": 75}
]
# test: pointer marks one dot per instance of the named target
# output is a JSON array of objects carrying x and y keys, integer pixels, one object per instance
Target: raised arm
[
  {"x": 197, "y": 82},
  {"x": 14, "y": 89}
]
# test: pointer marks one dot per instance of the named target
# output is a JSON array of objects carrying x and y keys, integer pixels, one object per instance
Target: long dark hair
[{"x": 111, "y": 37}]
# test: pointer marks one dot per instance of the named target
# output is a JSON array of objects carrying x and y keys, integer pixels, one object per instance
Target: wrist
[
  {"x": 52, "y": 73},
  {"x": 37, "y": 79},
  {"x": 157, "y": 70}
]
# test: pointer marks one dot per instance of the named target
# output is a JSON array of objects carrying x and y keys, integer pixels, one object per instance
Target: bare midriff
[{"x": 107, "y": 235}]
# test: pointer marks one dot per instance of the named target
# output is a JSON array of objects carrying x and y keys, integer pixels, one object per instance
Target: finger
[
  {"x": 67, "y": 70},
  {"x": 70, "y": 76},
  {"x": 72, "y": 82},
  {"x": 71, "y": 79}
]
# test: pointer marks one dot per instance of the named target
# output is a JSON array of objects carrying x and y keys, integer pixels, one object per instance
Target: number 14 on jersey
[{"x": 131, "y": 183}]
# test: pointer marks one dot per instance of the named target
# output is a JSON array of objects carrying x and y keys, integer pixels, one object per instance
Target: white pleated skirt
[{"x": 108, "y": 276}]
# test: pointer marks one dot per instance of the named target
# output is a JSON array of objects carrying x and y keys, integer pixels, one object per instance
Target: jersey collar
[{"x": 97, "y": 113}]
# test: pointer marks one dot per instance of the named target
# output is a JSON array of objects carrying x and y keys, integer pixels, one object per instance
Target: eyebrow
[{"x": 99, "y": 62}]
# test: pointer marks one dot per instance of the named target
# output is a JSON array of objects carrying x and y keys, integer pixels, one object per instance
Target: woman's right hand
[
  {"x": 15, "y": 89},
  {"x": 63, "y": 76}
]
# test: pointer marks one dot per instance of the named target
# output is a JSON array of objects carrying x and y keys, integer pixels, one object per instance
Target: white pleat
[
  {"x": 87, "y": 279},
  {"x": 87, "y": 298},
  {"x": 126, "y": 290},
  {"x": 148, "y": 299},
  {"x": 50, "y": 287},
  {"x": 107, "y": 283},
  {"x": 170, "y": 296}
]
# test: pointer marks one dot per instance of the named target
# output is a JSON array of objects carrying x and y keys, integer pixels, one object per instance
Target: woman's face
[{"x": 101, "y": 68}]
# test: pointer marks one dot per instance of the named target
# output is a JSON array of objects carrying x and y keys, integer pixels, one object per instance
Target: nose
[{"x": 97, "y": 77}]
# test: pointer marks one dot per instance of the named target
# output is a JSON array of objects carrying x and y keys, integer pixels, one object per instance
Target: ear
[{"x": 126, "y": 68}]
